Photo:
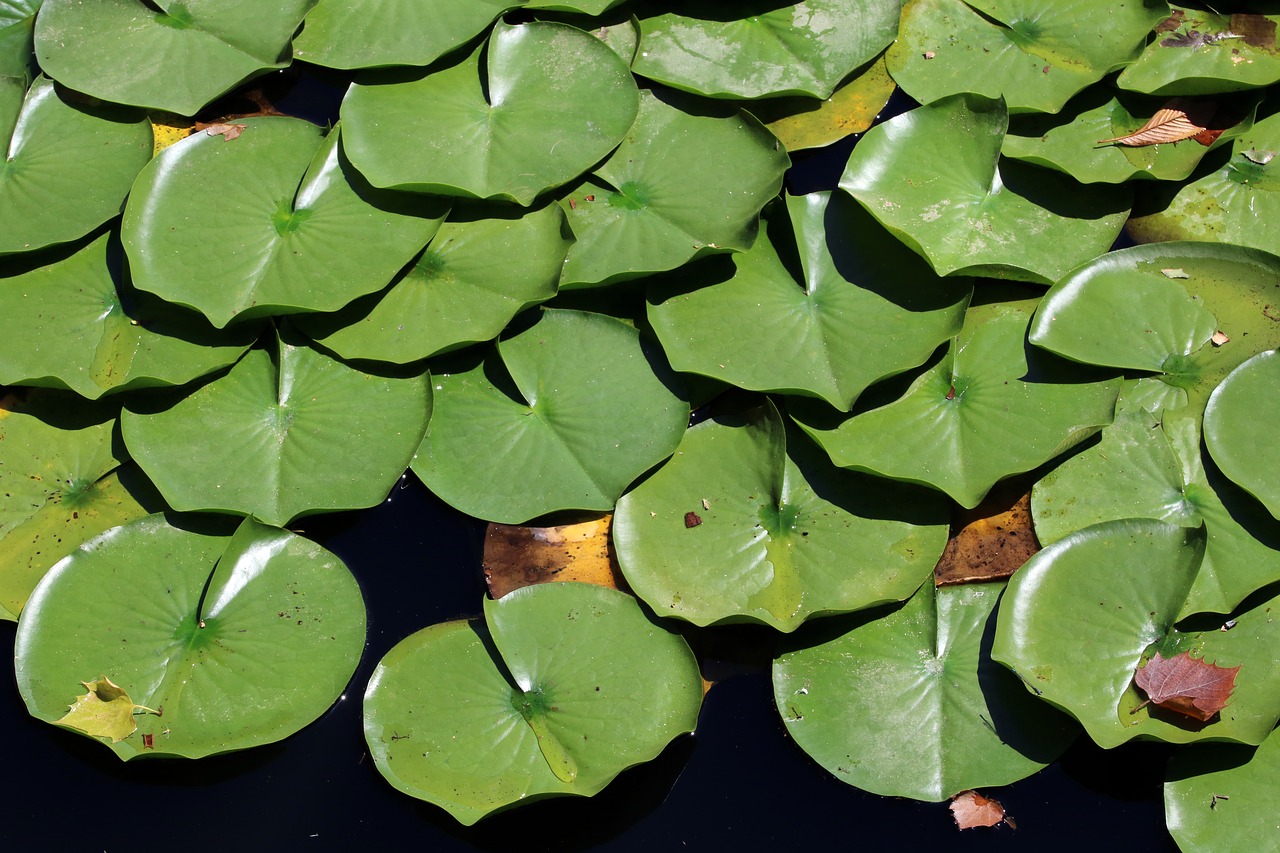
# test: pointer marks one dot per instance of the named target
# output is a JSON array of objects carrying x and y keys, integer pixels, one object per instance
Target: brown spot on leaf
[
  {"x": 1255, "y": 30},
  {"x": 692, "y": 519}
]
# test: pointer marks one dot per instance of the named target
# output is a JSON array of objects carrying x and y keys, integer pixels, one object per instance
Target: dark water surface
[{"x": 739, "y": 784}]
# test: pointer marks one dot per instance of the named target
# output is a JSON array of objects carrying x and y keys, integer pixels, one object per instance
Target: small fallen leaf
[
  {"x": 971, "y": 809},
  {"x": 1262, "y": 158},
  {"x": 706, "y": 504},
  {"x": 1178, "y": 119},
  {"x": 929, "y": 54},
  {"x": 1186, "y": 685},
  {"x": 1175, "y": 272},
  {"x": 1219, "y": 338},
  {"x": 226, "y": 131},
  {"x": 692, "y": 519},
  {"x": 105, "y": 711}
]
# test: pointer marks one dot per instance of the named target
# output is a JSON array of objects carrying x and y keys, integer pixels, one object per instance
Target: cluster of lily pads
[{"x": 541, "y": 235}]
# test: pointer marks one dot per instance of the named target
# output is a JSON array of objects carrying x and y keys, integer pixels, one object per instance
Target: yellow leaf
[
  {"x": 517, "y": 556},
  {"x": 808, "y": 123},
  {"x": 105, "y": 711}
]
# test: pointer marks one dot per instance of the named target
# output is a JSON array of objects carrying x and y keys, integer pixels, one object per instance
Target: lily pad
[
  {"x": 534, "y": 108},
  {"x": 1238, "y": 202},
  {"x": 109, "y": 48},
  {"x": 1238, "y": 425},
  {"x": 1082, "y": 614},
  {"x": 98, "y": 335},
  {"x": 989, "y": 408},
  {"x": 563, "y": 687},
  {"x": 274, "y": 221},
  {"x": 62, "y": 482},
  {"x": 866, "y": 307},
  {"x": 661, "y": 200},
  {"x": 17, "y": 46},
  {"x": 911, "y": 704},
  {"x": 281, "y": 435},
  {"x": 1071, "y": 141},
  {"x": 69, "y": 165},
  {"x": 934, "y": 177},
  {"x": 234, "y": 640},
  {"x": 801, "y": 123},
  {"x": 763, "y": 50},
  {"x": 573, "y": 408},
  {"x": 466, "y": 286},
  {"x": 1198, "y": 52},
  {"x": 1222, "y": 796},
  {"x": 1034, "y": 54},
  {"x": 748, "y": 524}
]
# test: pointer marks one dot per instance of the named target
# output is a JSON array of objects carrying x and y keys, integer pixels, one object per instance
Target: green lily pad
[
  {"x": 801, "y": 123},
  {"x": 662, "y": 199},
  {"x": 1222, "y": 796},
  {"x": 474, "y": 277},
  {"x": 803, "y": 48},
  {"x": 867, "y": 307},
  {"x": 1197, "y": 52},
  {"x": 1071, "y": 141},
  {"x": 990, "y": 408},
  {"x": 69, "y": 165},
  {"x": 97, "y": 334},
  {"x": 170, "y": 55},
  {"x": 933, "y": 176},
  {"x": 274, "y": 221},
  {"x": 748, "y": 524},
  {"x": 549, "y": 102},
  {"x": 281, "y": 435},
  {"x": 573, "y": 408},
  {"x": 17, "y": 46},
  {"x": 911, "y": 704},
  {"x": 1080, "y": 616},
  {"x": 565, "y": 686},
  {"x": 1034, "y": 54},
  {"x": 1238, "y": 202},
  {"x": 62, "y": 482},
  {"x": 1149, "y": 466},
  {"x": 1238, "y": 424},
  {"x": 1182, "y": 293},
  {"x": 234, "y": 640}
]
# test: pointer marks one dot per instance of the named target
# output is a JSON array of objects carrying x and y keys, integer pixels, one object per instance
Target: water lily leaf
[
  {"x": 61, "y": 483},
  {"x": 964, "y": 422},
  {"x": 1068, "y": 141},
  {"x": 934, "y": 177},
  {"x": 234, "y": 640},
  {"x": 867, "y": 307},
  {"x": 465, "y": 287},
  {"x": 98, "y": 334},
  {"x": 17, "y": 48},
  {"x": 803, "y": 48},
  {"x": 573, "y": 409},
  {"x": 659, "y": 200},
  {"x": 1221, "y": 796},
  {"x": 1082, "y": 615},
  {"x": 108, "y": 48},
  {"x": 853, "y": 107},
  {"x": 548, "y": 102},
  {"x": 1198, "y": 52},
  {"x": 105, "y": 711},
  {"x": 563, "y": 687},
  {"x": 68, "y": 165},
  {"x": 281, "y": 436},
  {"x": 1237, "y": 422},
  {"x": 935, "y": 714},
  {"x": 1239, "y": 202},
  {"x": 1036, "y": 55},
  {"x": 274, "y": 221},
  {"x": 781, "y": 535}
]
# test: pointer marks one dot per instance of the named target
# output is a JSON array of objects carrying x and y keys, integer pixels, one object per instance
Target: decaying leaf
[
  {"x": 1262, "y": 158},
  {"x": 1186, "y": 685},
  {"x": 1219, "y": 338},
  {"x": 105, "y": 711},
  {"x": 226, "y": 131},
  {"x": 1195, "y": 39},
  {"x": 1175, "y": 272},
  {"x": 1255, "y": 30},
  {"x": 1178, "y": 119},
  {"x": 517, "y": 556},
  {"x": 970, "y": 809},
  {"x": 990, "y": 541}
]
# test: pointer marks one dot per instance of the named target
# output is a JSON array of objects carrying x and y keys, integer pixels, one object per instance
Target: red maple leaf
[{"x": 1186, "y": 685}]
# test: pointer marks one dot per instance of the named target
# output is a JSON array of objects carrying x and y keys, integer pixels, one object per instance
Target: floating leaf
[
  {"x": 1180, "y": 118},
  {"x": 105, "y": 711},
  {"x": 1238, "y": 422},
  {"x": 801, "y": 123},
  {"x": 1206, "y": 53},
  {"x": 1187, "y": 685},
  {"x": 1222, "y": 796},
  {"x": 971, "y": 809},
  {"x": 518, "y": 556},
  {"x": 990, "y": 541}
]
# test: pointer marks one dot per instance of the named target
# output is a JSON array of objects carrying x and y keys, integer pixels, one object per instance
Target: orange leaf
[
  {"x": 970, "y": 809},
  {"x": 1180, "y": 118}
]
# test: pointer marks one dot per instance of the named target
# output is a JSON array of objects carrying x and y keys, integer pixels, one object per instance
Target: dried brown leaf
[
  {"x": 1179, "y": 119},
  {"x": 992, "y": 540},
  {"x": 516, "y": 556},
  {"x": 1186, "y": 685},
  {"x": 971, "y": 809},
  {"x": 226, "y": 131}
]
